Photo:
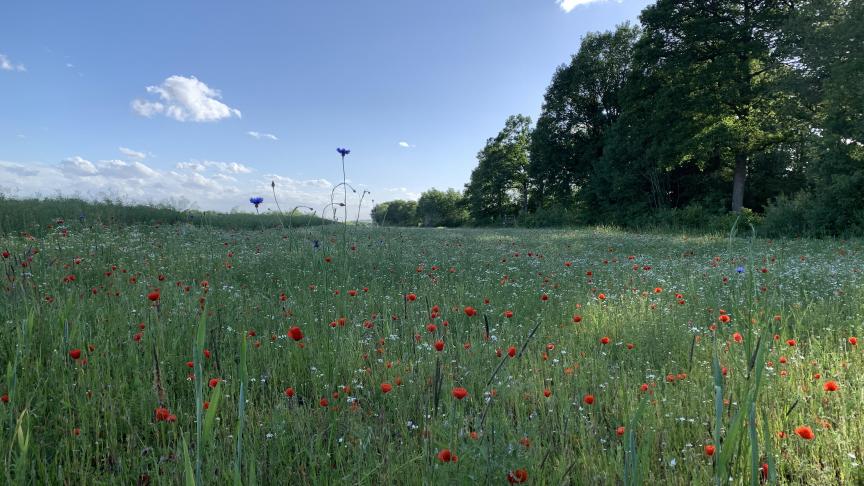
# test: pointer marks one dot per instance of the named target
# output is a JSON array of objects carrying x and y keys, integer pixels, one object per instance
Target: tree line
[{"x": 707, "y": 111}]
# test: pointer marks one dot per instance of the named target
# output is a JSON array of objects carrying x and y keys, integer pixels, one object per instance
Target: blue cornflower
[
  {"x": 256, "y": 201},
  {"x": 343, "y": 151},
  {"x": 740, "y": 269}
]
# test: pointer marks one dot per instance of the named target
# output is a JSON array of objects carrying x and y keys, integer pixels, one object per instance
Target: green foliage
[
  {"x": 581, "y": 103},
  {"x": 396, "y": 213},
  {"x": 703, "y": 108},
  {"x": 440, "y": 208},
  {"x": 20, "y": 215},
  {"x": 499, "y": 186}
]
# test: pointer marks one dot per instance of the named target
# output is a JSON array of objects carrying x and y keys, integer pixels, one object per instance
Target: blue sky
[{"x": 210, "y": 101}]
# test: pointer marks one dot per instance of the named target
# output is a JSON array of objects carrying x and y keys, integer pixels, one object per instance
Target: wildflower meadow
[{"x": 181, "y": 354}]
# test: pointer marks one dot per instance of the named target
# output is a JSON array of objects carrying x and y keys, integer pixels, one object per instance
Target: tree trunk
[{"x": 738, "y": 180}]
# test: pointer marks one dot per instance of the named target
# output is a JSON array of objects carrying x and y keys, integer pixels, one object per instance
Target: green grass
[
  {"x": 94, "y": 423},
  {"x": 39, "y": 216}
]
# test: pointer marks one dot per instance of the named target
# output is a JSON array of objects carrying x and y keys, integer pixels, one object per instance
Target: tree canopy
[{"x": 705, "y": 111}]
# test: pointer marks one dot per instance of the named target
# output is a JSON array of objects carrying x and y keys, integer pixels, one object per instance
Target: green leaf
[
  {"x": 187, "y": 465},
  {"x": 210, "y": 417}
]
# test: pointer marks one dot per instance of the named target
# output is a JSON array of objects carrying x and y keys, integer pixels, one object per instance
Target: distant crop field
[{"x": 158, "y": 354}]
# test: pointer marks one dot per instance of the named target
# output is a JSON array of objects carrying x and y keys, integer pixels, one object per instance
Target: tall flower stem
[
  {"x": 344, "y": 191},
  {"x": 273, "y": 186}
]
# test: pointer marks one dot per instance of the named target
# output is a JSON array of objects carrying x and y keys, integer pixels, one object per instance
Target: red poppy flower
[
  {"x": 601, "y": 296},
  {"x": 439, "y": 345},
  {"x": 604, "y": 340},
  {"x": 386, "y": 387},
  {"x": 444, "y": 455},
  {"x": 724, "y": 318},
  {"x": 411, "y": 297},
  {"x": 853, "y": 341},
  {"x": 153, "y": 296},
  {"x": 577, "y": 318},
  {"x": 588, "y": 399},
  {"x": 831, "y": 386},
  {"x": 323, "y": 402},
  {"x": 791, "y": 342},
  {"x": 213, "y": 382},
  {"x": 470, "y": 311},
  {"x": 619, "y": 431},
  {"x": 295, "y": 333},
  {"x": 518, "y": 476},
  {"x": 4, "y": 398},
  {"x": 75, "y": 354},
  {"x": 644, "y": 387},
  {"x": 544, "y": 297},
  {"x": 547, "y": 393},
  {"x": 805, "y": 432},
  {"x": 459, "y": 393},
  {"x": 709, "y": 450},
  {"x": 738, "y": 337},
  {"x": 511, "y": 351},
  {"x": 508, "y": 314},
  {"x": 162, "y": 414},
  {"x": 289, "y": 392}
]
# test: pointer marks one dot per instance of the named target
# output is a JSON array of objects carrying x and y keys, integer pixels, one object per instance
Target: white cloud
[
  {"x": 79, "y": 166},
  {"x": 185, "y": 99},
  {"x": 390, "y": 193},
  {"x": 7, "y": 65},
  {"x": 121, "y": 180},
  {"x": 404, "y": 144},
  {"x": 259, "y": 135},
  {"x": 147, "y": 108},
  {"x": 132, "y": 153},
  {"x": 222, "y": 167},
  {"x": 193, "y": 166},
  {"x": 235, "y": 168},
  {"x": 219, "y": 186},
  {"x": 569, "y": 5},
  {"x": 126, "y": 170}
]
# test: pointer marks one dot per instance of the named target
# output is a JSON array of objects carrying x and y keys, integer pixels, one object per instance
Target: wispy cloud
[
  {"x": 185, "y": 99},
  {"x": 132, "y": 153},
  {"x": 220, "y": 186},
  {"x": 6, "y": 64},
  {"x": 222, "y": 167},
  {"x": 404, "y": 144},
  {"x": 569, "y": 5},
  {"x": 260, "y": 136}
]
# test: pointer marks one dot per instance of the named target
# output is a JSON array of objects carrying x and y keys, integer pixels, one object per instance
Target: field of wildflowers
[{"x": 183, "y": 355}]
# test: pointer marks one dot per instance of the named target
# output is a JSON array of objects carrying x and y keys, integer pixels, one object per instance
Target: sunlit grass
[{"x": 92, "y": 420}]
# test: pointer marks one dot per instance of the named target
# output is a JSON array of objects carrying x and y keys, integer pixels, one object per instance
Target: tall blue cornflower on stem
[
  {"x": 346, "y": 271},
  {"x": 343, "y": 152},
  {"x": 257, "y": 200}
]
